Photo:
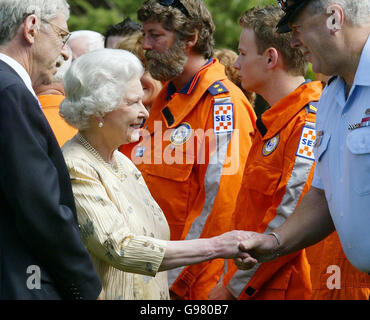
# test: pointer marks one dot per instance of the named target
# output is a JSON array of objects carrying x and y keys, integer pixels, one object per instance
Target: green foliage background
[{"x": 98, "y": 15}]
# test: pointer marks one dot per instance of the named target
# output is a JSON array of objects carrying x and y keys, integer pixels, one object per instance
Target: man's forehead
[
  {"x": 152, "y": 25},
  {"x": 247, "y": 33},
  {"x": 151, "y": 22}
]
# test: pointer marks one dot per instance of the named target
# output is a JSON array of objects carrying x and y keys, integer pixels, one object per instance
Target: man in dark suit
[{"x": 41, "y": 253}]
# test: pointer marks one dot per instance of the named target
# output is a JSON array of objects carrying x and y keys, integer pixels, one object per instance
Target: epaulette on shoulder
[
  {"x": 312, "y": 107},
  {"x": 331, "y": 80},
  {"x": 217, "y": 88}
]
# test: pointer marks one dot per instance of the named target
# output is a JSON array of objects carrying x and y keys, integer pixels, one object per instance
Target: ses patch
[
  {"x": 306, "y": 143},
  {"x": 223, "y": 117}
]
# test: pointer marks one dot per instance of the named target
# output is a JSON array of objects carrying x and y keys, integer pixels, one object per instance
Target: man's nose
[
  {"x": 236, "y": 65},
  {"x": 65, "y": 52},
  {"x": 146, "y": 44}
]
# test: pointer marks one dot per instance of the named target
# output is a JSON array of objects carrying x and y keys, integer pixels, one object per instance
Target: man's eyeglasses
[
  {"x": 63, "y": 34},
  {"x": 283, "y": 4},
  {"x": 175, "y": 4}
]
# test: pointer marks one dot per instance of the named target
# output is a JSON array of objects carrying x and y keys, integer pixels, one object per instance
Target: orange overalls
[
  {"x": 50, "y": 106},
  {"x": 192, "y": 157},
  {"x": 278, "y": 173}
]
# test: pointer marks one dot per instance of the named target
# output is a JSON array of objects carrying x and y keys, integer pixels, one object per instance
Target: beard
[{"x": 169, "y": 64}]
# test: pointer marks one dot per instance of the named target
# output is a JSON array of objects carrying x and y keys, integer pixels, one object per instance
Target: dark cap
[{"x": 291, "y": 9}]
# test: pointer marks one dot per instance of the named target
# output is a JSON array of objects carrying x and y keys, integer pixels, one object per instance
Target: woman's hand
[
  {"x": 227, "y": 245},
  {"x": 224, "y": 246}
]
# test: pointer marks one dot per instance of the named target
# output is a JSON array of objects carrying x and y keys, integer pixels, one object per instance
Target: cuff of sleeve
[{"x": 144, "y": 255}]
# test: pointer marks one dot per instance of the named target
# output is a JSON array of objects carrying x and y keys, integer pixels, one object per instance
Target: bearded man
[{"x": 197, "y": 136}]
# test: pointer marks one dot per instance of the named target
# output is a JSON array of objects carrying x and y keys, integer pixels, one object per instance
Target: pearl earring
[{"x": 100, "y": 125}]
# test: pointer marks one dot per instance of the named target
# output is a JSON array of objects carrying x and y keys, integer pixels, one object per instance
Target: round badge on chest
[
  {"x": 181, "y": 134},
  {"x": 271, "y": 145}
]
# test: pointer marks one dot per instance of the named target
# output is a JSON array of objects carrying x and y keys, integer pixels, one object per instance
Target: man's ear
[
  {"x": 335, "y": 19},
  {"x": 271, "y": 56},
  {"x": 191, "y": 42},
  {"x": 31, "y": 28}
]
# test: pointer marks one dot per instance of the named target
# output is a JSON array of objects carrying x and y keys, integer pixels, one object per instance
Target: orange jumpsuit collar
[
  {"x": 200, "y": 84},
  {"x": 279, "y": 115}
]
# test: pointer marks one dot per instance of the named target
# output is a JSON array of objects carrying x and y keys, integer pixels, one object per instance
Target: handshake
[{"x": 247, "y": 248}]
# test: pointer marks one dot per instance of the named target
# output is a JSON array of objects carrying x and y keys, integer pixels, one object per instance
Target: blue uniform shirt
[{"x": 342, "y": 155}]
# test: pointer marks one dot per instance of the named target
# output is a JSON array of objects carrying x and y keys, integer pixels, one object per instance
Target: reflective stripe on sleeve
[
  {"x": 240, "y": 279},
  {"x": 294, "y": 189}
]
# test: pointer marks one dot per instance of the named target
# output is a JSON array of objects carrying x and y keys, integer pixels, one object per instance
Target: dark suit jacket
[{"x": 39, "y": 233}]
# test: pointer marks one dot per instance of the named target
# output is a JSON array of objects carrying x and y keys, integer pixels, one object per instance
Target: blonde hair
[{"x": 134, "y": 44}]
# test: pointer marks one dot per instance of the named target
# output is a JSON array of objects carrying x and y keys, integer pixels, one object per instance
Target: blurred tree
[
  {"x": 226, "y": 16},
  {"x": 97, "y": 15}
]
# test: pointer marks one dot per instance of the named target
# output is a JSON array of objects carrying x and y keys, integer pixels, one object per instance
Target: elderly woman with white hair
[{"x": 122, "y": 226}]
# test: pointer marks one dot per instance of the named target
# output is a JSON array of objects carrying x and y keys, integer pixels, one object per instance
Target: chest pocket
[
  {"x": 265, "y": 178},
  {"x": 170, "y": 162},
  {"x": 358, "y": 143}
]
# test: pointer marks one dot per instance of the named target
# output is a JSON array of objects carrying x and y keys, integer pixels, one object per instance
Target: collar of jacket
[
  {"x": 276, "y": 117},
  {"x": 189, "y": 87},
  {"x": 180, "y": 105}
]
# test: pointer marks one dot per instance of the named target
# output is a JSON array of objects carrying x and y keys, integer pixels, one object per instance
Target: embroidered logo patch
[
  {"x": 223, "y": 117},
  {"x": 270, "y": 146},
  {"x": 181, "y": 134},
  {"x": 306, "y": 143}
]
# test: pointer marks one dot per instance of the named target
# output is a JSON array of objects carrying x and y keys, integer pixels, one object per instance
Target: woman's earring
[{"x": 100, "y": 124}]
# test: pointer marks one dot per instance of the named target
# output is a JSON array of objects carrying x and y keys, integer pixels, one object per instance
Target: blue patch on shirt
[{"x": 217, "y": 88}]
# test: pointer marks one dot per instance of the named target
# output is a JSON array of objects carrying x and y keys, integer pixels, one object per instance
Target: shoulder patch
[
  {"x": 312, "y": 107},
  {"x": 217, "y": 88},
  {"x": 306, "y": 143},
  {"x": 223, "y": 118}
]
